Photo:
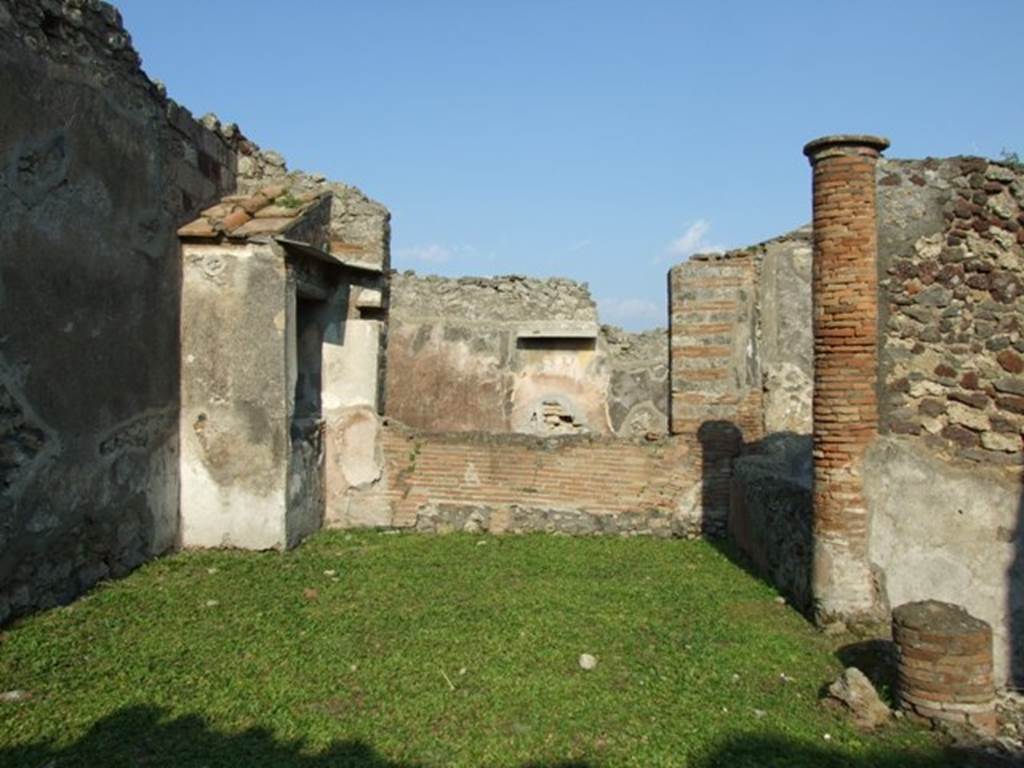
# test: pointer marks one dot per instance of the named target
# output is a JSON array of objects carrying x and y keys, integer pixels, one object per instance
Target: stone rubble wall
[
  {"x": 506, "y": 299},
  {"x": 506, "y": 483},
  {"x": 944, "y": 481},
  {"x": 360, "y": 227},
  {"x": 953, "y": 333},
  {"x": 461, "y": 358},
  {"x": 97, "y": 170},
  {"x": 638, "y": 386},
  {"x": 769, "y": 517},
  {"x": 784, "y": 343}
]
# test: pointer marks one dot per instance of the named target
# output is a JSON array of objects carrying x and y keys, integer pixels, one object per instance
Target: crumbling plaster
[
  {"x": 97, "y": 169},
  {"x": 514, "y": 354},
  {"x": 942, "y": 482},
  {"x": 940, "y": 531},
  {"x": 236, "y": 395}
]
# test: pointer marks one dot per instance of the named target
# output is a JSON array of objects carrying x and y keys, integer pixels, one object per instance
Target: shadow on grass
[
  {"x": 876, "y": 658},
  {"x": 142, "y": 736},
  {"x": 766, "y": 517},
  {"x": 146, "y": 737},
  {"x": 780, "y": 752}
]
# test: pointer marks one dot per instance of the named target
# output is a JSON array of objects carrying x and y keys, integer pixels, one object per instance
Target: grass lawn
[{"x": 383, "y": 651}]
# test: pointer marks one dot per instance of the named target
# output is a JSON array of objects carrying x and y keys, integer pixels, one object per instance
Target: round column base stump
[{"x": 944, "y": 665}]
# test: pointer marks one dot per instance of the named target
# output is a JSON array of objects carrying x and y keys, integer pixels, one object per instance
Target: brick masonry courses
[
  {"x": 88, "y": 485},
  {"x": 941, "y": 480},
  {"x": 715, "y": 396},
  {"x": 944, "y": 665},
  {"x": 739, "y": 364},
  {"x": 518, "y": 483},
  {"x": 845, "y": 323}
]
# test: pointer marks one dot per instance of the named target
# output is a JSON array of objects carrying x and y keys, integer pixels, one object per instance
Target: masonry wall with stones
[
  {"x": 517, "y": 354},
  {"x": 741, "y": 340},
  {"x": 770, "y": 480},
  {"x": 740, "y": 358},
  {"x": 255, "y": 311},
  {"x": 508, "y": 483},
  {"x": 638, "y": 380},
  {"x": 953, "y": 333},
  {"x": 353, "y": 372},
  {"x": 353, "y": 364},
  {"x": 98, "y": 168},
  {"x": 944, "y": 479}
]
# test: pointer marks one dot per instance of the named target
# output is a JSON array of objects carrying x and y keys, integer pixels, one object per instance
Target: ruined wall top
[
  {"x": 88, "y": 37},
  {"x": 508, "y": 298},
  {"x": 76, "y": 33},
  {"x": 627, "y": 348}
]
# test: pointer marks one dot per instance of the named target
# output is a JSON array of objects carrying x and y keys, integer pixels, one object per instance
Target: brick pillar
[
  {"x": 845, "y": 290},
  {"x": 715, "y": 386},
  {"x": 944, "y": 665}
]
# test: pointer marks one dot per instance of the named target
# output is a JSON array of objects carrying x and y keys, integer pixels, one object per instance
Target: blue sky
[{"x": 595, "y": 140}]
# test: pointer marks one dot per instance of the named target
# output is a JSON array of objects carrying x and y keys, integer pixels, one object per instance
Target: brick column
[
  {"x": 715, "y": 387},
  {"x": 944, "y": 665},
  {"x": 845, "y": 289}
]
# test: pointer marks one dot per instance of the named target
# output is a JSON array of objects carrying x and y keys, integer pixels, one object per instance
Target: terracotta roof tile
[
  {"x": 252, "y": 204},
  {"x": 262, "y": 227},
  {"x": 235, "y": 219},
  {"x": 197, "y": 228},
  {"x": 272, "y": 210}
]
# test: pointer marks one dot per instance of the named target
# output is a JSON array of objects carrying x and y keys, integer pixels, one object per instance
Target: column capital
[{"x": 845, "y": 144}]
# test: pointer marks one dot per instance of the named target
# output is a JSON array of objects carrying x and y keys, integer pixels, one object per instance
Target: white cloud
[
  {"x": 437, "y": 254},
  {"x": 430, "y": 254},
  {"x": 694, "y": 239},
  {"x": 579, "y": 246},
  {"x": 632, "y": 313}
]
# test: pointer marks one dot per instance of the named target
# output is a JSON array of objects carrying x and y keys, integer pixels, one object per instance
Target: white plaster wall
[
  {"x": 944, "y": 532},
  {"x": 233, "y": 428},
  {"x": 215, "y": 515},
  {"x": 351, "y": 356},
  {"x": 353, "y": 467}
]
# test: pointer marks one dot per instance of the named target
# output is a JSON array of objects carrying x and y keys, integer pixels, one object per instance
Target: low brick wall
[{"x": 517, "y": 483}]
